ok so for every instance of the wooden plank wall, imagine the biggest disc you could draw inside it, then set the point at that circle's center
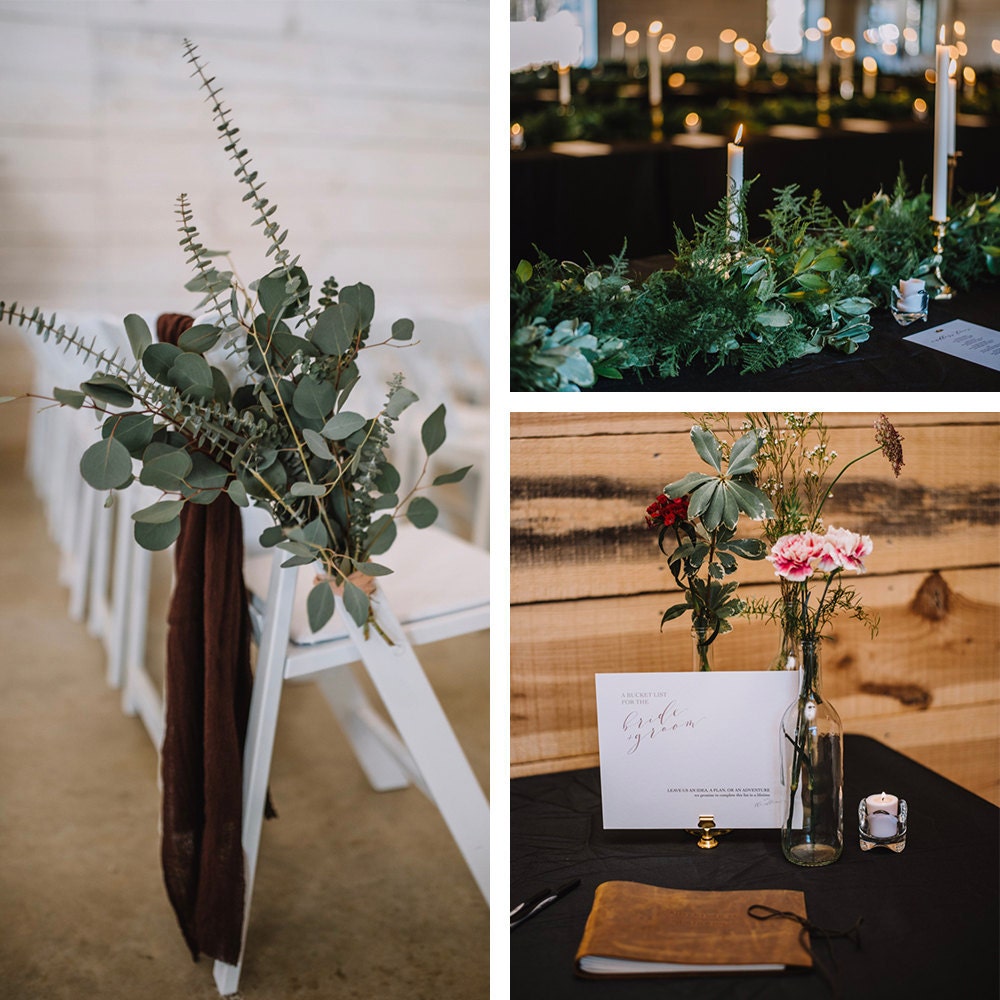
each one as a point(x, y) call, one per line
point(369, 122)
point(588, 584)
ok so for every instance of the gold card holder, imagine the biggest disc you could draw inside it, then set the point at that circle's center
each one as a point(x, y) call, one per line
point(707, 832)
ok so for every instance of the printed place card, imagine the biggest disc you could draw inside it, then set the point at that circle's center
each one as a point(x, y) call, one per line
point(676, 746)
point(968, 341)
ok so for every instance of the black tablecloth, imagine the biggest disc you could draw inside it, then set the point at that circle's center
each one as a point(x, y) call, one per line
point(930, 929)
point(885, 362)
point(575, 207)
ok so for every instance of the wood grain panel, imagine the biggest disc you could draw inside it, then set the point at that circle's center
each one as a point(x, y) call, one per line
point(577, 505)
point(934, 659)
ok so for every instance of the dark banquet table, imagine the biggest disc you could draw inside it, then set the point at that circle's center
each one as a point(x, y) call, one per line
point(885, 362)
point(575, 207)
point(930, 913)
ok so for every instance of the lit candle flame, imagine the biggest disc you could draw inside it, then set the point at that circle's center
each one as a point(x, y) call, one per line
point(952, 68)
point(739, 135)
point(941, 35)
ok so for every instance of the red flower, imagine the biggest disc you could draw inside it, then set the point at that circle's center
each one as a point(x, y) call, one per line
point(665, 511)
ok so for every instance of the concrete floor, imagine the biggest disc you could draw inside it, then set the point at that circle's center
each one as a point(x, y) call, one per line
point(358, 894)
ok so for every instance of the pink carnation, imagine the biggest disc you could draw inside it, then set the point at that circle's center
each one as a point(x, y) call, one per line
point(792, 555)
point(843, 548)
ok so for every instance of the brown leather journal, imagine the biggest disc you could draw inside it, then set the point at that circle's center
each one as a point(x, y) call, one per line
point(644, 930)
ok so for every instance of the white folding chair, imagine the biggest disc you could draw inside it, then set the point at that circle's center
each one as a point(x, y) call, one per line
point(439, 589)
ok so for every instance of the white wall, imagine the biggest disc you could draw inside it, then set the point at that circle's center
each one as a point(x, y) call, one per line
point(368, 120)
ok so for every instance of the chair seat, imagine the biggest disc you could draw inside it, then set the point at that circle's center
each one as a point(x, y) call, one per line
point(455, 605)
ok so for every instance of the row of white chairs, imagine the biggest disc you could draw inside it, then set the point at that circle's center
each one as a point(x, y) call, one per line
point(440, 589)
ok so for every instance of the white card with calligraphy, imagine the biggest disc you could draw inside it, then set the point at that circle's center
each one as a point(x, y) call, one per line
point(676, 746)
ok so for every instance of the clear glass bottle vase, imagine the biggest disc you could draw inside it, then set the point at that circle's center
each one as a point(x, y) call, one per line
point(812, 755)
point(702, 645)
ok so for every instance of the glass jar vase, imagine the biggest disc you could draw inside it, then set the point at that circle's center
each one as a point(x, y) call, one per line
point(702, 644)
point(812, 755)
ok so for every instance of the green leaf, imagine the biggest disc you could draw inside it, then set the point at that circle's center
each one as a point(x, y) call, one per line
point(156, 537)
point(432, 432)
point(451, 477)
point(382, 533)
point(707, 447)
point(202, 496)
point(828, 263)
point(715, 514)
point(158, 359)
point(343, 425)
point(524, 271)
point(238, 493)
point(271, 536)
point(199, 339)
point(67, 397)
point(388, 479)
point(362, 299)
point(206, 474)
point(775, 318)
point(314, 399)
point(108, 389)
point(402, 329)
point(701, 499)
point(335, 328)
point(106, 465)
point(813, 282)
point(356, 602)
point(742, 456)
point(422, 512)
point(320, 605)
point(139, 337)
point(373, 569)
point(674, 611)
point(730, 508)
point(749, 548)
point(159, 513)
point(682, 487)
point(751, 501)
point(134, 430)
point(399, 401)
point(308, 490)
point(854, 306)
point(192, 373)
point(316, 444)
point(165, 467)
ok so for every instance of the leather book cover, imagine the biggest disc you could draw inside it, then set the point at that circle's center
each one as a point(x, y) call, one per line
point(644, 930)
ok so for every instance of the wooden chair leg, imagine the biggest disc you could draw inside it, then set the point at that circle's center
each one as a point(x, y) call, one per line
point(379, 751)
point(417, 714)
point(259, 747)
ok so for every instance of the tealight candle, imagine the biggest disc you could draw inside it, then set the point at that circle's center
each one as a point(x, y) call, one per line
point(911, 295)
point(882, 825)
point(883, 803)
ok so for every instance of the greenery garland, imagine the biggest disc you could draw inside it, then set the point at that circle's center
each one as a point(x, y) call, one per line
point(810, 284)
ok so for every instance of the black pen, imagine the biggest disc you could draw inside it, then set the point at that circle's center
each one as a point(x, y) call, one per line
point(539, 901)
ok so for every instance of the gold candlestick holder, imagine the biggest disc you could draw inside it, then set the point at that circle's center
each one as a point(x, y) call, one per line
point(943, 291)
point(656, 119)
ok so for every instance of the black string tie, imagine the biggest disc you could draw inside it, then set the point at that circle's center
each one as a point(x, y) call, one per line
point(808, 927)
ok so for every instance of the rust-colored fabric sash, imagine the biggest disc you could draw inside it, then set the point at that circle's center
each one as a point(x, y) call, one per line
point(207, 694)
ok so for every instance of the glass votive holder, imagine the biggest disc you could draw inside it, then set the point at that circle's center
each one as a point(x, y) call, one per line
point(909, 309)
point(881, 829)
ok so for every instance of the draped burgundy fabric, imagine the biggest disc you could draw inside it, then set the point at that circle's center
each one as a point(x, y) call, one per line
point(207, 694)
